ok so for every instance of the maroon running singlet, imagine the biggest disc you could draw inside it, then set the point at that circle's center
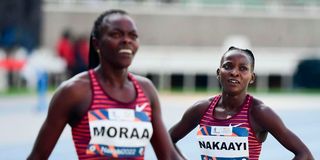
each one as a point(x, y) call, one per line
point(113, 129)
point(232, 138)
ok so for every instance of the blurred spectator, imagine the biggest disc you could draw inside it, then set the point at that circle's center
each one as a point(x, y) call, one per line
point(65, 50)
point(81, 50)
point(11, 62)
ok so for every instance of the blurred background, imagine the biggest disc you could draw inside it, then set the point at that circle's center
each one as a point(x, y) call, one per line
point(44, 42)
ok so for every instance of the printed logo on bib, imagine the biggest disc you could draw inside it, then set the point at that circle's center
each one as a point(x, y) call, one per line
point(118, 132)
point(140, 108)
point(223, 143)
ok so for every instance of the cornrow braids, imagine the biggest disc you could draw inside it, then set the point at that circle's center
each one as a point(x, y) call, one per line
point(93, 55)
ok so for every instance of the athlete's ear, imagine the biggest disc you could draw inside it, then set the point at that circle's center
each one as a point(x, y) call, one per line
point(253, 78)
point(218, 73)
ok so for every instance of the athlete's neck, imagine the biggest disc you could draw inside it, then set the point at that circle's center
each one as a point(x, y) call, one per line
point(112, 77)
point(232, 102)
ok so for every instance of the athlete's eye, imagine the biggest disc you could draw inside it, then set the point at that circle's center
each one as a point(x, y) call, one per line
point(133, 36)
point(243, 68)
point(115, 34)
point(227, 66)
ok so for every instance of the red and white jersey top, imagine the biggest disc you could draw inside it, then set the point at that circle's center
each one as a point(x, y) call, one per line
point(112, 129)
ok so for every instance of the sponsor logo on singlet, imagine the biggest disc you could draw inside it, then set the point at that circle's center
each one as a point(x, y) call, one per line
point(223, 143)
point(118, 132)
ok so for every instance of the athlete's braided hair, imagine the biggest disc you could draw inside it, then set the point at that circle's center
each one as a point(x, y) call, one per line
point(246, 51)
point(93, 55)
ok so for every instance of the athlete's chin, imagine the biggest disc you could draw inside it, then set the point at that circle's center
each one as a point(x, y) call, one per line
point(232, 92)
point(125, 65)
point(126, 62)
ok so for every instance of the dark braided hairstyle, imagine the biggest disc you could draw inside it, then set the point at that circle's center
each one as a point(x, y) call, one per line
point(93, 55)
point(246, 51)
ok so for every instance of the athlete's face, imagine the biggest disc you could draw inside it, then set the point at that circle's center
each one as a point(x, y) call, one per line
point(235, 72)
point(118, 42)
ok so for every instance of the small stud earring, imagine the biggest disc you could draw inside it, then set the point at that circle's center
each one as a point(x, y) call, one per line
point(98, 50)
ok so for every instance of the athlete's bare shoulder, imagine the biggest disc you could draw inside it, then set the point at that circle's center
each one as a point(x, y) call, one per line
point(147, 86)
point(145, 82)
point(190, 119)
point(72, 98)
point(74, 90)
point(258, 105)
point(76, 84)
point(200, 106)
point(261, 115)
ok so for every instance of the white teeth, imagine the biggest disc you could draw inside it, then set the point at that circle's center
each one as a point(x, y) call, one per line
point(127, 51)
point(233, 81)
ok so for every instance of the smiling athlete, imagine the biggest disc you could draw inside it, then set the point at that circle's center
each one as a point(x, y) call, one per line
point(113, 113)
point(233, 124)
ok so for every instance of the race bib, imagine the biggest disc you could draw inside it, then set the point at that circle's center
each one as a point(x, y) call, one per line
point(223, 143)
point(118, 132)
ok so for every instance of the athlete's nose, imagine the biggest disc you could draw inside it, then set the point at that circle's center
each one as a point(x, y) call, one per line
point(234, 72)
point(126, 39)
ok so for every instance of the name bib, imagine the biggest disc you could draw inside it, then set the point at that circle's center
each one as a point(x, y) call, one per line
point(118, 133)
point(223, 143)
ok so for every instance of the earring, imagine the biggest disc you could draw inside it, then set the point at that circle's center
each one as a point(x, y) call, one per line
point(251, 82)
point(98, 50)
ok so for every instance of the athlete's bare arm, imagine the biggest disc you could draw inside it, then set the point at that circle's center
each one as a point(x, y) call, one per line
point(267, 119)
point(188, 122)
point(160, 140)
point(190, 119)
point(68, 95)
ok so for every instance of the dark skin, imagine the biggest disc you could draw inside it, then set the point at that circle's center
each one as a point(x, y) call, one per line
point(117, 46)
point(235, 74)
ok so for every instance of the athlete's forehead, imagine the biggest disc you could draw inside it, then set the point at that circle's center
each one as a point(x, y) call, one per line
point(118, 20)
point(236, 55)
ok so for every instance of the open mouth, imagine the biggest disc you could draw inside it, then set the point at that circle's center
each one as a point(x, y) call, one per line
point(233, 81)
point(126, 51)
